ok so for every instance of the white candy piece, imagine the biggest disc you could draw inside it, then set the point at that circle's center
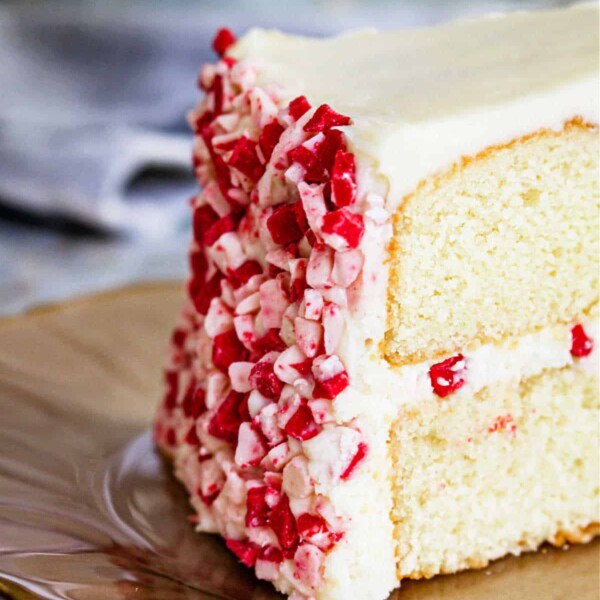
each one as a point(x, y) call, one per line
point(273, 303)
point(319, 268)
point(313, 304)
point(239, 374)
point(218, 318)
point(308, 336)
point(313, 202)
point(245, 330)
point(250, 448)
point(283, 365)
point(346, 267)
point(216, 386)
point(333, 327)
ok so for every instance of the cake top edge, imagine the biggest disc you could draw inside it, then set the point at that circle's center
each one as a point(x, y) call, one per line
point(242, 44)
point(428, 73)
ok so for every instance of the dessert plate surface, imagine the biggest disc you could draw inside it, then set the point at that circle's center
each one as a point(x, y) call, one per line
point(89, 511)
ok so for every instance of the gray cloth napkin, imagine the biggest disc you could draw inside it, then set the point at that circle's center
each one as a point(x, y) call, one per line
point(92, 118)
point(93, 104)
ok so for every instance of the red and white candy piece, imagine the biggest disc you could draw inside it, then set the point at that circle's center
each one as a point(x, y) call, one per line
point(313, 304)
point(448, 376)
point(309, 336)
point(250, 449)
point(319, 268)
point(346, 267)
point(264, 380)
point(331, 378)
point(308, 565)
point(218, 318)
point(223, 40)
point(313, 203)
point(581, 344)
point(273, 303)
point(267, 563)
point(333, 327)
point(342, 229)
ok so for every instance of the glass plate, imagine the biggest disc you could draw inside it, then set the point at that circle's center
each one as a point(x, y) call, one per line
point(89, 510)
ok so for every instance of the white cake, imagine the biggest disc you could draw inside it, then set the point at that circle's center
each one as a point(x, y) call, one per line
point(387, 365)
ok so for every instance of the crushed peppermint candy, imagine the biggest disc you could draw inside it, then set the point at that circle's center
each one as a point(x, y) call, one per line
point(255, 368)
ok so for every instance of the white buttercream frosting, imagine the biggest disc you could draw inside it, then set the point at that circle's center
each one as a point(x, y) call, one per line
point(421, 99)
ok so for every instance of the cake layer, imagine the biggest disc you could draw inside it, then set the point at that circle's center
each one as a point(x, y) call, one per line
point(497, 472)
point(503, 244)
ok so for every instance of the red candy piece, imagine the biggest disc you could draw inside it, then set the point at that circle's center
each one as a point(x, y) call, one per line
point(208, 499)
point(226, 146)
point(257, 509)
point(282, 225)
point(204, 218)
point(329, 147)
point(302, 425)
point(191, 437)
point(356, 460)
point(188, 398)
point(343, 179)
point(298, 107)
point(194, 403)
point(332, 387)
point(269, 136)
point(303, 156)
point(304, 367)
point(270, 342)
point(178, 337)
point(245, 159)
point(198, 265)
point(243, 273)
point(283, 524)
point(222, 40)
point(314, 530)
point(226, 422)
point(271, 554)
point(172, 389)
point(221, 169)
point(200, 125)
point(217, 91)
point(246, 551)
point(309, 525)
point(346, 224)
point(243, 409)
point(218, 228)
point(325, 118)
point(581, 344)
point(301, 219)
point(171, 438)
point(202, 293)
point(227, 349)
point(263, 379)
point(448, 376)
point(319, 161)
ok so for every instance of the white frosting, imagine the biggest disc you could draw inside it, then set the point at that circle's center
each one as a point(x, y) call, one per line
point(421, 99)
point(486, 365)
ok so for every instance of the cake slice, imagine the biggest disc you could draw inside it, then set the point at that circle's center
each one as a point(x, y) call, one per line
point(387, 364)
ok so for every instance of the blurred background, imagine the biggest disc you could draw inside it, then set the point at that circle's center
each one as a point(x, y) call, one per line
point(94, 147)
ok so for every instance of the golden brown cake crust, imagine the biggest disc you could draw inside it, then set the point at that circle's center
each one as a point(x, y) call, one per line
point(581, 535)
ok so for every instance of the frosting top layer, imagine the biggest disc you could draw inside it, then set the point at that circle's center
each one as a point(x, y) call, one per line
point(412, 93)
